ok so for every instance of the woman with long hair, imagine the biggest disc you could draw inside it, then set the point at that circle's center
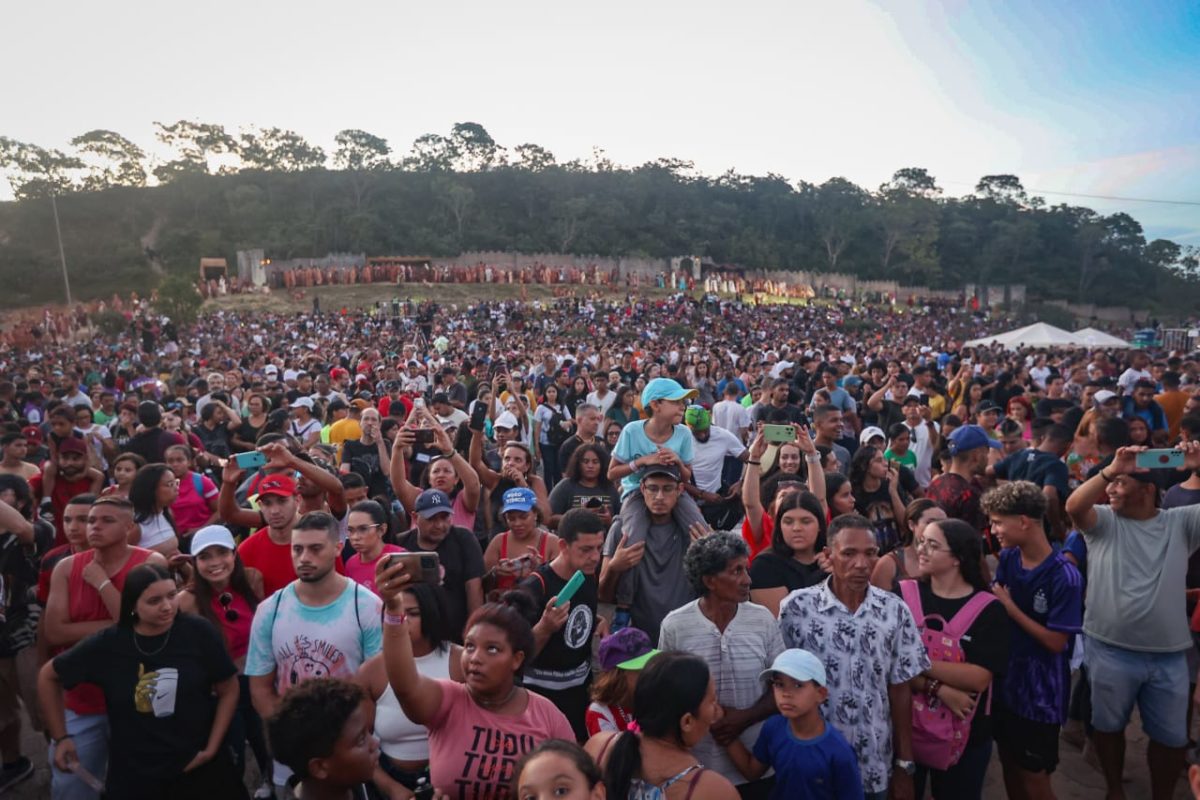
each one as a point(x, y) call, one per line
point(878, 495)
point(761, 498)
point(515, 553)
point(448, 472)
point(516, 471)
point(403, 743)
point(901, 563)
point(586, 485)
point(577, 394)
point(254, 422)
point(951, 578)
point(366, 527)
point(226, 592)
point(490, 706)
point(839, 495)
point(152, 493)
point(123, 470)
point(553, 424)
point(790, 563)
point(623, 411)
point(675, 703)
point(705, 386)
point(1020, 411)
point(158, 670)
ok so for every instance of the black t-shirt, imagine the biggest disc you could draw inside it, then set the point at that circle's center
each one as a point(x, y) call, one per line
point(568, 494)
point(770, 570)
point(889, 415)
point(877, 507)
point(19, 568)
point(570, 446)
point(768, 411)
point(363, 459)
point(565, 661)
point(160, 706)
point(461, 560)
point(249, 433)
point(985, 644)
point(1044, 469)
point(152, 445)
point(215, 440)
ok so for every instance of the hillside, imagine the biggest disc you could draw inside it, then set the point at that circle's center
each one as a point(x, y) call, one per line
point(442, 203)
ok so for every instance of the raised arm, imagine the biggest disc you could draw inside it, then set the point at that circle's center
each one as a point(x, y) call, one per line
point(227, 507)
point(487, 476)
point(812, 465)
point(752, 485)
point(398, 469)
point(420, 697)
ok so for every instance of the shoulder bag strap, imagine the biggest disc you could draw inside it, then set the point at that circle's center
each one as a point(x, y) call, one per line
point(912, 598)
point(966, 616)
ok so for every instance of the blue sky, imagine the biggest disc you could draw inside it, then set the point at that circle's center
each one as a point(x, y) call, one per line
point(1085, 97)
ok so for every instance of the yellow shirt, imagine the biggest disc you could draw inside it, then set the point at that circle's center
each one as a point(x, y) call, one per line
point(343, 430)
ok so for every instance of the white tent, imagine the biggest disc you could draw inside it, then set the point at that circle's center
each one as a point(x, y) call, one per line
point(1038, 334)
point(1094, 338)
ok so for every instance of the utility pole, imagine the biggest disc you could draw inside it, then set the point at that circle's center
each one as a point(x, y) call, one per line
point(62, 254)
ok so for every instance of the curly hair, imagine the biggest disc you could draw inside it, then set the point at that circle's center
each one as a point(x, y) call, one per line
point(310, 720)
point(1015, 499)
point(711, 555)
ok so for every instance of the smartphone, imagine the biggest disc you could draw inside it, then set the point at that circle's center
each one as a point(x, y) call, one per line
point(1165, 458)
point(251, 460)
point(423, 567)
point(423, 435)
point(594, 503)
point(418, 402)
point(778, 434)
point(570, 589)
point(478, 414)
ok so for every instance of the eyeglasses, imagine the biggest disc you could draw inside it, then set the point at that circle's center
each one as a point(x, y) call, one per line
point(356, 530)
point(930, 546)
point(226, 600)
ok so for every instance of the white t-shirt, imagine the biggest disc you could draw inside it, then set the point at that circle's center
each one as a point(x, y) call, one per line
point(708, 458)
point(1131, 376)
point(731, 416)
point(922, 448)
point(604, 404)
point(155, 531)
point(303, 431)
point(452, 420)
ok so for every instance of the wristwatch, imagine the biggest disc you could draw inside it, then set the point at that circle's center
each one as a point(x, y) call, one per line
point(909, 767)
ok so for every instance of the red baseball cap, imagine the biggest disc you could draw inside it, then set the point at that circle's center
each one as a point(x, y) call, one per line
point(32, 433)
point(72, 444)
point(282, 485)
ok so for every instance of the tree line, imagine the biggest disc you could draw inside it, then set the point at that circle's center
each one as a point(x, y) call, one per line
point(129, 218)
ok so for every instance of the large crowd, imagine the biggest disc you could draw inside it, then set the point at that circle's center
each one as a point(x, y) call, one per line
point(591, 547)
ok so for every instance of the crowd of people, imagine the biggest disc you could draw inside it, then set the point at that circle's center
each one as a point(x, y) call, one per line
point(593, 547)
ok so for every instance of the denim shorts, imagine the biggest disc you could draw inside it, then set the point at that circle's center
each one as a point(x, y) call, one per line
point(1156, 682)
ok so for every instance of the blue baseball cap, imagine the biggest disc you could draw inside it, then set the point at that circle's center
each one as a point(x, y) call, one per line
point(432, 502)
point(969, 437)
point(799, 665)
point(665, 389)
point(519, 499)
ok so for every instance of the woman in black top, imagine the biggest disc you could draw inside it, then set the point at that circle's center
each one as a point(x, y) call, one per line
point(791, 561)
point(159, 671)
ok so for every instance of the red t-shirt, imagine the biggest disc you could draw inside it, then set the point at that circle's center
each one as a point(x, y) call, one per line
point(64, 490)
point(768, 530)
point(274, 561)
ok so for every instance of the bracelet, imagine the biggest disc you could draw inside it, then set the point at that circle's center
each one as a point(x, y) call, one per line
point(448, 454)
point(61, 739)
point(394, 619)
point(750, 463)
point(814, 458)
point(100, 588)
point(1106, 478)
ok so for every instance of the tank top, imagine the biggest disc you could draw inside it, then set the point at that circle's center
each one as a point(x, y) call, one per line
point(399, 737)
point(506, 582)
point(237, 632)
point(84, 605)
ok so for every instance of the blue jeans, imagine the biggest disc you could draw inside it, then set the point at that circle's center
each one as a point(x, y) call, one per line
point(89, 732)
point(1156, 682)
point(963, 781)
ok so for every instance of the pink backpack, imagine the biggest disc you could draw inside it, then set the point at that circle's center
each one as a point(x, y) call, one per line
point(938, 736)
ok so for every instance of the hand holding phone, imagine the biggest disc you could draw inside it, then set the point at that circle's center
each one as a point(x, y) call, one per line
point(570, 589)
point(1161, 458)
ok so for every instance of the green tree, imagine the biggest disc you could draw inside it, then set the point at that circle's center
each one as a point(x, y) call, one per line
point(358, 150)
point(194, 144)
point(431, 152)
point(533, 157)
point(115, 161)
point(273, 149)
point(37, 172)
point(179, 299)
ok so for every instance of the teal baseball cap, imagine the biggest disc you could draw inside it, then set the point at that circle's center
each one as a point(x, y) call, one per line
point(665, 389)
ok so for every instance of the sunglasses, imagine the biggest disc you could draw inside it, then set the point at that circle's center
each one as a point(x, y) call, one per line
point(226, 600)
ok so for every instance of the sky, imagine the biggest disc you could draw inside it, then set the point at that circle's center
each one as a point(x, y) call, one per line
point(1080, 97)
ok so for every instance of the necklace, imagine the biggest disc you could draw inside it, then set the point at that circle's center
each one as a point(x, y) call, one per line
point(138, 647)
point(494, 703)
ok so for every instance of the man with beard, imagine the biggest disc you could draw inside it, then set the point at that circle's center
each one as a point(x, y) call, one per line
point(67, 474)
point(322, 625)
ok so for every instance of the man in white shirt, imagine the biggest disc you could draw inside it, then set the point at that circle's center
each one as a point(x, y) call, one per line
point(924, 437)
point(448, 416)
point(1137, 371)
point(718, 501)
point(730, 415)
point(602, 398)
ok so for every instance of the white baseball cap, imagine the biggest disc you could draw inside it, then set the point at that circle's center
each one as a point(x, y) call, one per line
point(212, 536)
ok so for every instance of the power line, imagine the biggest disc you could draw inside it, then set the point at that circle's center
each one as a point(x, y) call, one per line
point(1102, 196)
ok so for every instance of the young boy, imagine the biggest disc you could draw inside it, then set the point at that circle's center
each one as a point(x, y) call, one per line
point(323, 733)
point(1043, 594)
point(810, 758)
point(660, 439)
